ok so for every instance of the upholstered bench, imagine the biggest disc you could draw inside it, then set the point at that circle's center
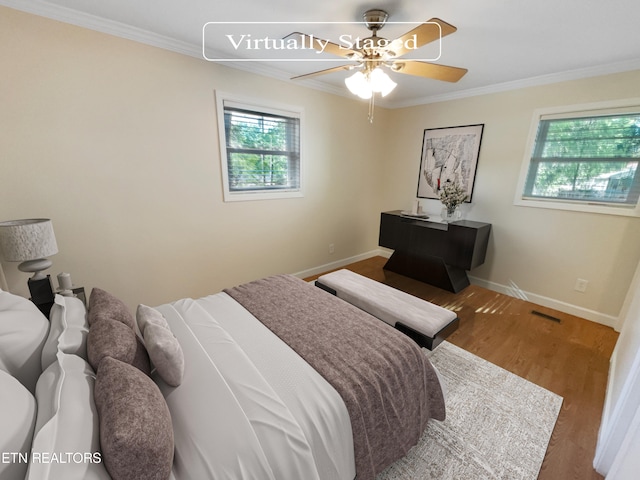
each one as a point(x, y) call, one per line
point(424, 322)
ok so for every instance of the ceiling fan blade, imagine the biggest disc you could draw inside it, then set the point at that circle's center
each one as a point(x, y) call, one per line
point(429, 70)
point(320, 45)
point(323, 72)
point(425, 33)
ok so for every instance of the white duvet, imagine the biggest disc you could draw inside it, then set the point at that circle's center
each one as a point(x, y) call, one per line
point(249, 407)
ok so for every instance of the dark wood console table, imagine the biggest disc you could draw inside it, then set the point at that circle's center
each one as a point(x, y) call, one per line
point(434, 253)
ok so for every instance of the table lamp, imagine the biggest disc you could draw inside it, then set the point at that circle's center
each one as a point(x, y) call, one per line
point(30, 241)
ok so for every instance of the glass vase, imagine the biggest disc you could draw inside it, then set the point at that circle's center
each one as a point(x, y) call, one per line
point(451, 215)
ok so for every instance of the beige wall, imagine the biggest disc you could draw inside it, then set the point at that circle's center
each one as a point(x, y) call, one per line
point(540, 251)
point(117, 143)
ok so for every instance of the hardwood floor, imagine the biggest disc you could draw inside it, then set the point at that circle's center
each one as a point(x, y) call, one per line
point(569, 357)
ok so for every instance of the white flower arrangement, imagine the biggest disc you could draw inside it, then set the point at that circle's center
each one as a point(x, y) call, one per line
point(452, 195)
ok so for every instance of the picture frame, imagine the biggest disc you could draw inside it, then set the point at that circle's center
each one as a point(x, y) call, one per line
point(449, 154)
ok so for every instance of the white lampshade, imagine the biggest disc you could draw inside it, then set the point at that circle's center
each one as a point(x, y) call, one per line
point(28, 241)
point(359, 85)
point(380, 82)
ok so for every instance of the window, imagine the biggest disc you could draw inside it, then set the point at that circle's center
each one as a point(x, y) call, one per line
point(584, 160)
point(260, 149)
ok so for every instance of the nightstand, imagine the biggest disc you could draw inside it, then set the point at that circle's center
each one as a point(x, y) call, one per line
point(41, 294)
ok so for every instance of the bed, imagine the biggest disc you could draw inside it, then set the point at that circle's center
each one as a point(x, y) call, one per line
point(274, 379)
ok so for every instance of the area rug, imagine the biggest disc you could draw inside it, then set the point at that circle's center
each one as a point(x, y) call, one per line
point(498, 425)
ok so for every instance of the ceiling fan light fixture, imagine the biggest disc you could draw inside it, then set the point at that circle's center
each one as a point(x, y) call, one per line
point(380, 82)
point(373, 52)
point(359, 85)
point(366, 84)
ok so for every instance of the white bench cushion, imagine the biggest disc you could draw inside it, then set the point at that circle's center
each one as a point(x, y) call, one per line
point(387, 303)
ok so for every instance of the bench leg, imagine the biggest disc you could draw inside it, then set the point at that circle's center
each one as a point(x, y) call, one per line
point(326, 289)
point(426, 341)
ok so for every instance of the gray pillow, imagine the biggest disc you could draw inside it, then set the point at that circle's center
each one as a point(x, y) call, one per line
point(104, 305)
point(141, 358)
point(136, 435)
point(110, 338)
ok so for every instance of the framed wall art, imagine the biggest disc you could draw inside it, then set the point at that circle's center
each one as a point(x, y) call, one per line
point(449, 155)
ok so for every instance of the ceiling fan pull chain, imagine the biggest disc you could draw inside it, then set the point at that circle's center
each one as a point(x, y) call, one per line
point(371, 106)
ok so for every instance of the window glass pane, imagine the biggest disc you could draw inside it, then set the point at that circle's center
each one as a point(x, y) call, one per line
point(253, 131)
point(254, 171)
point(589, 181)
point(590, 159)
point(263, 150)
point(591, 137)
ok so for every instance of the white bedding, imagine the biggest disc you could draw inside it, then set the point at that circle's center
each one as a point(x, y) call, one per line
point(249, 406)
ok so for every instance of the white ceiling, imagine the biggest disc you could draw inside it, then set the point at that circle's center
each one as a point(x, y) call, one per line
point(503, 43)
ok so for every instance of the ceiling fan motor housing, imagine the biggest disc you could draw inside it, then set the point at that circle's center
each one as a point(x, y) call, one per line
point(375, 19)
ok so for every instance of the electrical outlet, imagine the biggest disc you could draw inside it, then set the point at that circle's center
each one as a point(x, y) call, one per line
point(581, 285)
point(332, 248)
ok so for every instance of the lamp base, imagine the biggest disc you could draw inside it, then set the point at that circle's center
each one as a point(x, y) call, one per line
point(42, 294)
point(36, 267)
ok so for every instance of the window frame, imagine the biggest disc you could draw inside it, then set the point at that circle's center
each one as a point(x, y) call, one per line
point(259, 106)
point(631, 105)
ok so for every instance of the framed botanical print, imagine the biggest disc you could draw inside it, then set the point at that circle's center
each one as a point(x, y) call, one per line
point(449, 155)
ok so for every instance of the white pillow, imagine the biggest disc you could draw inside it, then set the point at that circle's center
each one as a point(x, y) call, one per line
point(17, 418)
point(69, 330)
point(165, 353)
point(23, 331)
point(67, 424)
point(148, 315)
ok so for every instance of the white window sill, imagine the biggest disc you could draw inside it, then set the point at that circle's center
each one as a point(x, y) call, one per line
point(270, 195)
point(626, 211)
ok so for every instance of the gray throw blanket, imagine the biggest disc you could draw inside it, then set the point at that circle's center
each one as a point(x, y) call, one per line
point(388, 385)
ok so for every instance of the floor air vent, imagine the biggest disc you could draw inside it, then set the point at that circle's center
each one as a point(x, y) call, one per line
point(544, 315)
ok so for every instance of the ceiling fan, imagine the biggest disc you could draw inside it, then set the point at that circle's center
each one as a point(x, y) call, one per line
point(370, 55)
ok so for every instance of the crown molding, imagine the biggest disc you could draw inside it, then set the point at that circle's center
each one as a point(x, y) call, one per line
point(111, 27)
point(118, 29)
